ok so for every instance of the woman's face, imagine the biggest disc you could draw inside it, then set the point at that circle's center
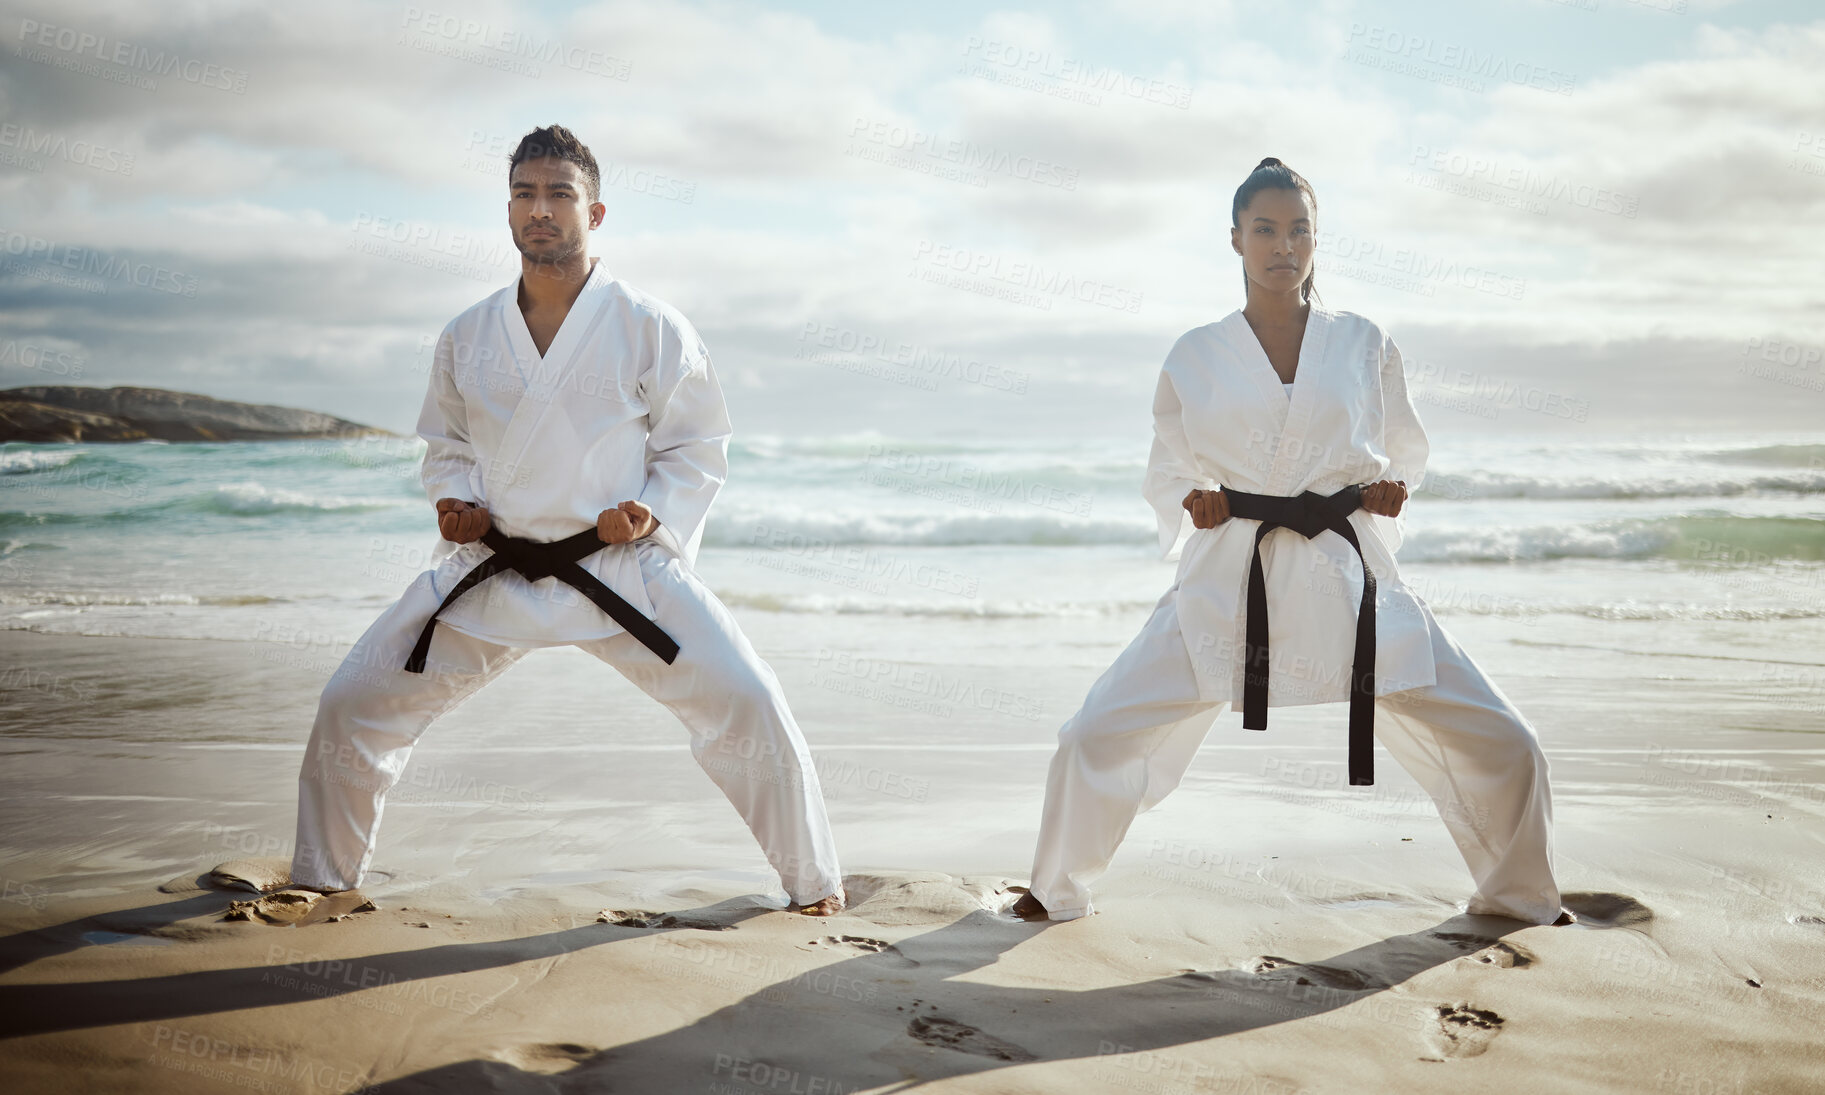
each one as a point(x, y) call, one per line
point(1275, 239)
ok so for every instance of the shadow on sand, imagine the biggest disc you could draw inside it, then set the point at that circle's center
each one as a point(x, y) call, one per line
point(902, 1014)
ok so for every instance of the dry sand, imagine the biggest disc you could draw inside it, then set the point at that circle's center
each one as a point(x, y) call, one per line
point(1254, 936)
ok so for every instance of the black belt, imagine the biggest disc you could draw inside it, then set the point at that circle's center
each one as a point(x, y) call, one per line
point(536, 559)
point(1309, 514)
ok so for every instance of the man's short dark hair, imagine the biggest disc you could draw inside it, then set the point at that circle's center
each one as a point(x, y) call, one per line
point(556, 141)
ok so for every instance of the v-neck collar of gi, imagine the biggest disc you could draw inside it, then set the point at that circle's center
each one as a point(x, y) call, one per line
point(581, 316)
point(1291, 411)
point(1265, 376)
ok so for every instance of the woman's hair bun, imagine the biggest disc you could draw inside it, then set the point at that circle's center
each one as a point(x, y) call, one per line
point(1271, 161)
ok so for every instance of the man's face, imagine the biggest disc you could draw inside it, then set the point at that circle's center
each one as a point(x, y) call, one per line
point(548, 209)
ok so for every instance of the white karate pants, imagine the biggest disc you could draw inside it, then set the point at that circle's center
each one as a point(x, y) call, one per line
point(1142, 723)
point(372, 713)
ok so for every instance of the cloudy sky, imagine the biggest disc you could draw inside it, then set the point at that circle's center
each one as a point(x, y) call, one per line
point(1591, 215)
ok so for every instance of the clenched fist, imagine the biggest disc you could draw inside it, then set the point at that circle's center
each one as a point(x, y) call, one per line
point(626, 523)
point(1384, 497)
point(1208, 508)
point(461, 522)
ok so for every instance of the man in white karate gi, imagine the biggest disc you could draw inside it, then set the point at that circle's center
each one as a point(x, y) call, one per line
point(576, 432)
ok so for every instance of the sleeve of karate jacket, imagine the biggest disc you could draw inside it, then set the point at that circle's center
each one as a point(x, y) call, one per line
point(1172, 470)
point(687, 445)
point(444, 424)
point(1403, 438)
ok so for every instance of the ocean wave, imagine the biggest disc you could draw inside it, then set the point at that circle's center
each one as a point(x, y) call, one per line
point(26, 461)
point(984, 474)
point(244, 499)
point(29, 597)
point(860, 443)
point(761, 529)
point(250, 499)
point(10, 519)
point(1508, 608)
point(1501, 607)
point(844, 605)
point(1482, 486)
point(1695, 537)
point(1722, 539)
point(1811, 456)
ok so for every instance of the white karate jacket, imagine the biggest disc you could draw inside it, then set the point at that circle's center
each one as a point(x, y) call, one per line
point(1221, 417)
point(624, 404)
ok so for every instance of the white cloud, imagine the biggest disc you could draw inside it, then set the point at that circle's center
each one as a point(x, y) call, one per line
point(265, 195)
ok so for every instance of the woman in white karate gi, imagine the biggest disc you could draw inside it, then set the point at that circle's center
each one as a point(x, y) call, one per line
point(1286, 398)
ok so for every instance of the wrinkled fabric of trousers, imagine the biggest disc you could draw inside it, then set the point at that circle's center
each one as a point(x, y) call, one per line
point(1141, 725)
point(372, 713)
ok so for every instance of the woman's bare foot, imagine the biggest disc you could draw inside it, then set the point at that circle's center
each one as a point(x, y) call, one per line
point(1028, 908)
point(306, 886)
point(829, 906)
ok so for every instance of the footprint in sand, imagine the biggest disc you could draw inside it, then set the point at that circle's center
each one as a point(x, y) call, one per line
point(1366, 901)
point(862, 945)
point(261, 874)
point(1461, 1031)
point(1489, 952)
point(255, 874)
point(546, 1058)
point(633, 918)
point(935, 1030)
point(1268, 967)
point(1608, 910)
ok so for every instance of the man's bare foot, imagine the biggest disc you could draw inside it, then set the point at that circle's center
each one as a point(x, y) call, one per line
point(1565, 917)
point(829, 906)
point(1028, 908)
